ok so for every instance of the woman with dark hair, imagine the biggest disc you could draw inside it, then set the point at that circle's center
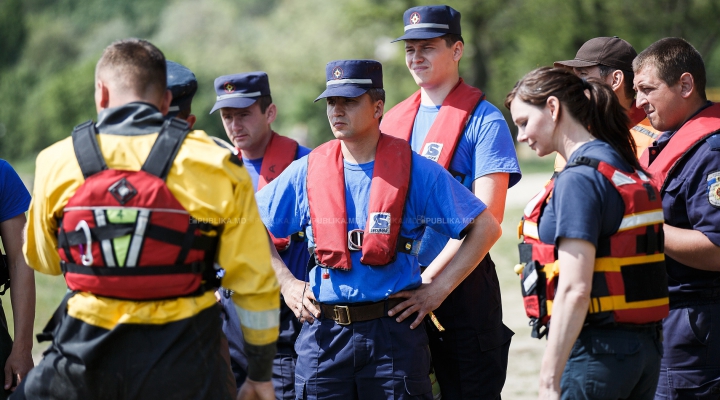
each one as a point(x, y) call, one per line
point(591, 257)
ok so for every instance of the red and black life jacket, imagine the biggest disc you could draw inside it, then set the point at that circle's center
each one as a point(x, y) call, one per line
point(629, 279)
point(380, 240)
point(281, 151)
point(703, 125)
point(445, 133)
point(124, 235)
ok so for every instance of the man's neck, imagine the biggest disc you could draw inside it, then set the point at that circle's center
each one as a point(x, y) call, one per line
point(255, 152)
point(361, 150)
point(435, 95)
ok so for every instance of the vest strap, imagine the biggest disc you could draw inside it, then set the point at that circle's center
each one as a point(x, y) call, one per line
point(87, 150)
point(165, 148)
point(193, 268)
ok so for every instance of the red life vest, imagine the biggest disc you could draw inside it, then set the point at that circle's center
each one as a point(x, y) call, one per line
point(124, 235)
point(281, 151)
point(444, 135)
point(692, 133)
point(629, 278)
point(326, 195)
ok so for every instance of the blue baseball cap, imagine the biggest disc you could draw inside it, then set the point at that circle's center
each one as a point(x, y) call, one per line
point(240, 90)
point(351, 78)
point(182, 84)
point(428, 22)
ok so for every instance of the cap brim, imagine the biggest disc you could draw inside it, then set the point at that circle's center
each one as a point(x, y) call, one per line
point(342, 91)
point(237, 102)
point(575, 63)
point(419, 35)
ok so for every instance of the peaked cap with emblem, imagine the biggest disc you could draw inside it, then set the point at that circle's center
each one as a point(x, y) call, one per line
point(351, 78)
point(182, 84)
point(240, 90)
point(428, 22)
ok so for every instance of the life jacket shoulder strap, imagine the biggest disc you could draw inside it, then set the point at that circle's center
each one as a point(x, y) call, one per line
point(280, 153)
point(166, 148)
point(87, 150)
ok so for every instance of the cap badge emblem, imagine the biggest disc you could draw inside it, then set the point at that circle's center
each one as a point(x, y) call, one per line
point(415, 18)
point(337, 72)
point(229, 87)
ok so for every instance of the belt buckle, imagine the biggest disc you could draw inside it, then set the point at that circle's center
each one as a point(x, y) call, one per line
point(355, 239)
point(338, 318)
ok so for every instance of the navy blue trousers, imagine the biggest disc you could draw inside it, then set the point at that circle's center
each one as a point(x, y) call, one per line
point(284, 362)
point(470, 357)
point(615, 363)
point(690, 367)
point(370, 360)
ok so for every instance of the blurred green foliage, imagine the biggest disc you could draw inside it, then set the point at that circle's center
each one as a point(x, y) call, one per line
point(48, 49)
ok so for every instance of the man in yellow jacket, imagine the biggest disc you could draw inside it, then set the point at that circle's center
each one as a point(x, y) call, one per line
point(142, 321)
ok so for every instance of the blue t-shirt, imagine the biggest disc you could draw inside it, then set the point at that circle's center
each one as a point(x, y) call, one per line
point(296, 256)
point(14, 197)
point(584, 204)
point(485, 147)
point(435, 199)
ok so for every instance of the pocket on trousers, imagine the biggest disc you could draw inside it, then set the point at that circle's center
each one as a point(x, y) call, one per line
point(693, 383)
point(300, 392)
point(418, 385)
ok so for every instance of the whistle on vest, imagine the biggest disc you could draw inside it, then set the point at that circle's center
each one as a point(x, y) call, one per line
point(435, 322)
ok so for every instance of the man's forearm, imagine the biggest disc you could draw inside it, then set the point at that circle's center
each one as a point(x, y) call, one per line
point(691, 248)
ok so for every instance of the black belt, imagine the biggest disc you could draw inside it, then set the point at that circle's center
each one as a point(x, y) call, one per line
point(347, 314)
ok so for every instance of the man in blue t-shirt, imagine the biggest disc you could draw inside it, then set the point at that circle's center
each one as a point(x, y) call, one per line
point(369, 199)
point(15, 357)
point(450, 122)
point(247, 110)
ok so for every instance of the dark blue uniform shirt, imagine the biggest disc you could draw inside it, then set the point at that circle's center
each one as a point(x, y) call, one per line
point(691, 200)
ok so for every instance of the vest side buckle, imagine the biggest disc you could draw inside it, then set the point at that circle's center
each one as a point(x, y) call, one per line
point(355, 239)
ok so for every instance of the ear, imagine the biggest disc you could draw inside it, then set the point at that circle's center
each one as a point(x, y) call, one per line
point(102, 95)
point(458, 49)
point(191, 119)
point(271, 113)
point(687, 85)
point(165, 102)
point(379, 109)
point(618, 78)
point(553, 106)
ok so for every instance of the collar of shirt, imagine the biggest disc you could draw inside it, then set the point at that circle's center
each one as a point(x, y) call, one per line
point(130, 119)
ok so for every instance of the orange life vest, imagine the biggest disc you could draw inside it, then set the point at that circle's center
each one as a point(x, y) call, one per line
point(629, 278)
point(703, 125)
point(445, 133)
point(281, 151)
point(326, 197)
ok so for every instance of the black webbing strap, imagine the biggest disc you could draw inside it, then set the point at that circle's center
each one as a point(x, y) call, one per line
point(193, 268)
point(582, 160)
point(186, 245)
point(48, 332)
point(166, 235)
point(87, 150)
point(98, 233)
point(166, 147)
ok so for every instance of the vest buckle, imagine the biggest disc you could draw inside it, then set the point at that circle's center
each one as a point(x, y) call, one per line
point(355, 239)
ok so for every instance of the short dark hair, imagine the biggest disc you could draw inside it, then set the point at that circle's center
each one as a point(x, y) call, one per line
point(184, 113)
point(673, 57)
point(134, 65)
point(376, 94)
point(605, 71)
point(452, 38)
point(264, 102)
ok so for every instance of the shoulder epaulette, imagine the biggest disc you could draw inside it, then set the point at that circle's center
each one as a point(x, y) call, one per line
point(714, 141)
